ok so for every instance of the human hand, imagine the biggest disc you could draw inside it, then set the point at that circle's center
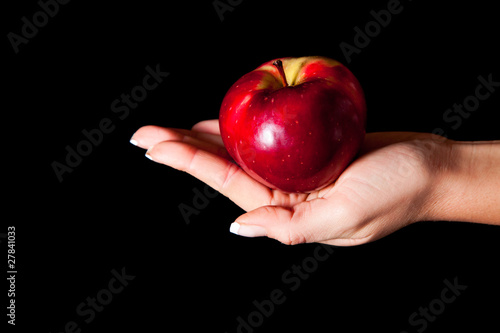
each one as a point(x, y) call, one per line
point(391, 184)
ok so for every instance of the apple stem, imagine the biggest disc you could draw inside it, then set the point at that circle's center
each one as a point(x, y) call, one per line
point(279, 66)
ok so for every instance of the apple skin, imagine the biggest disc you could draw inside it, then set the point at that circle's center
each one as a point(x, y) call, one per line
point(294, 134)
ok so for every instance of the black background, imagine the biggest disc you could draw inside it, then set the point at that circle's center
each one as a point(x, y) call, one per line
point(119, 210)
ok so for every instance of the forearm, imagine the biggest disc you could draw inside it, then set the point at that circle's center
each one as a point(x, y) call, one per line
point(467, 188)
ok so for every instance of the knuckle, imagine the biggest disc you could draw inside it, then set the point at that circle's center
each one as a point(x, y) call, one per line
point(227, 176)
point(288, 237)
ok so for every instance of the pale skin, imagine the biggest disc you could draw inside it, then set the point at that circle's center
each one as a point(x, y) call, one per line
point(397, 179)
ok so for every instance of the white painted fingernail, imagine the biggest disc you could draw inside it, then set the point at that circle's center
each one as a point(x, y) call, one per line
point(134, 142)
point(149, 156)
point(247, 230)
point(234, 227)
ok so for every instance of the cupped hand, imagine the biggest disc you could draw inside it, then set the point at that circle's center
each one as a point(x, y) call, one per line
point(388, 185)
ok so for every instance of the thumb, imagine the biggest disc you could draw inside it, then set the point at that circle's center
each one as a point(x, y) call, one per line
point(290, 226)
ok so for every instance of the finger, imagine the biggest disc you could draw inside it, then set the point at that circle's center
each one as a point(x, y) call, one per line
point(207, 126)
point(317, 220)
point(206, 146)
point(209, 137)
point(307, 222)
point(147, 136)
point(219, 173)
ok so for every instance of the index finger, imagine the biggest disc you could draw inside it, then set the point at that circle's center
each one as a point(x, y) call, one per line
point(147, 136)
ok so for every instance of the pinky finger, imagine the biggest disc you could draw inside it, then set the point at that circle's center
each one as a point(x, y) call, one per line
point(207, 126)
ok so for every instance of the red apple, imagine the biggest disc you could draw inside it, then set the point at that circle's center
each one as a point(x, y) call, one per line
point(294, 124)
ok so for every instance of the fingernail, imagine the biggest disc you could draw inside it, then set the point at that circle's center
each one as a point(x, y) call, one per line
point(149, 156)
point(234, 227)
point(134, 142)
point(247, 230)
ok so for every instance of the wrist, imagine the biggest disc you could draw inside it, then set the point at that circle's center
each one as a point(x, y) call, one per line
point(466, 183)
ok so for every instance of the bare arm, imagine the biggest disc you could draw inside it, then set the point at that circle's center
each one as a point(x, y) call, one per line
point(468, 188)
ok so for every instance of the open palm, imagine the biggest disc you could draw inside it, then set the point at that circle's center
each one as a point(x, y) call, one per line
point(383, 190)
